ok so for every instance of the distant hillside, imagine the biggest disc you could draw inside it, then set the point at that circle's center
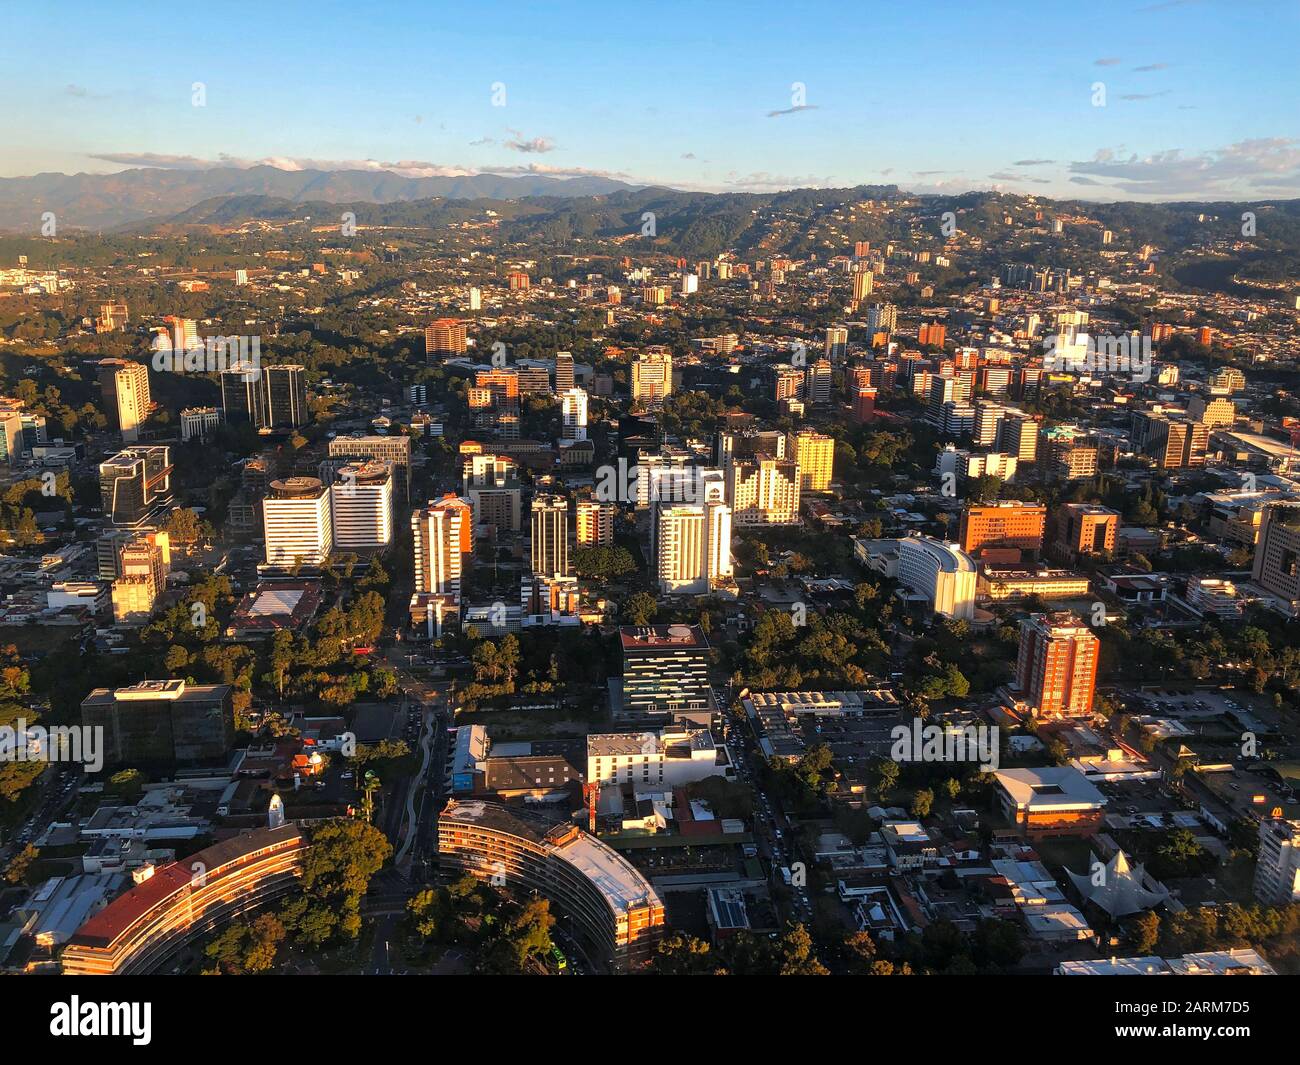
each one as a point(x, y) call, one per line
point(805, 222)
point(106, 201)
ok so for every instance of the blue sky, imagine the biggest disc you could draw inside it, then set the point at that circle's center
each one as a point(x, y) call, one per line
point(1200, 97)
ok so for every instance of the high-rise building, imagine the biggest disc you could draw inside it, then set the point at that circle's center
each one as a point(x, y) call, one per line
point(286, 396)
point(1018, 436)
point(502, 382)
point(655, 761)
point(1277, 870)
point(595, 523)
point(1276, 568)
point(1056, 667)
point(1084, 529)
point(445, 338)
point(534, 378)
point(789, 383)
point(243, 398)
point(815, 455)
point(135, 484)
point(1006, 524)
point(817, 385)
point(273, 398)
point(296, 522)
point(1068, 454)
point(988, 421)
point(955, 390)
point(133, 600)
point(394, 449)
point(652, 377)
point(763, 491)
point(12, 439)
point(837, 342)
point(361, 506)
point(574, 413)
point(1214, 412)
point(1226, 379)
point(162, 722)
point(443, 535)
point(125, 386)
point(112, 317)
point(666, 671)
point(182, 333)
point(141, 564)
point(863, 283)
point(692, 546)
point(563, 372)
point(1176, 443)
point(491, 484)
point(550, 536)
point(609, 906)
point(932, 333)
point(864, 404)
point(882, 318)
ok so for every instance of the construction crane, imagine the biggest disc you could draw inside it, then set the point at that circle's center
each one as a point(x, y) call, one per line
point(590, 794)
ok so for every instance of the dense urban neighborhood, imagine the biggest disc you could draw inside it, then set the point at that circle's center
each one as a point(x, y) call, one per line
point(834, 581)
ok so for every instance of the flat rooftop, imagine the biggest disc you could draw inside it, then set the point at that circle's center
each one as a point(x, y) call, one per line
point(662, 637)
point(156, 691)
point(1053, 787)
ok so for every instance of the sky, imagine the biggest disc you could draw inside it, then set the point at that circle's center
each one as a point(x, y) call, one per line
point(1101, 100)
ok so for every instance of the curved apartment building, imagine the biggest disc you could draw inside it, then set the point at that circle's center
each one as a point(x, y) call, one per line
point(941, 572)
point(184, 900)
point(599, 895)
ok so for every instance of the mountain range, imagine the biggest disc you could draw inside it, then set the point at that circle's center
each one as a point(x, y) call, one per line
point(108, 201)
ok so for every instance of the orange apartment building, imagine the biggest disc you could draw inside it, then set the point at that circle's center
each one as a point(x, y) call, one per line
point(1006, 525)
point(1056, 667)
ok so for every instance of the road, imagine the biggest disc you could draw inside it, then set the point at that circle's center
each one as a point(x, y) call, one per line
point(429, 727)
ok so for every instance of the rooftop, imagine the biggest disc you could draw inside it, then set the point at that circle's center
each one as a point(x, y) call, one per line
point(622, 886)
point(1048, 788)
point(652, 637)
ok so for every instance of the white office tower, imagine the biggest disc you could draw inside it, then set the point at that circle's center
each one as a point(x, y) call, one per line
point(550, 545)
point(126, 394)
point(574, 409)
point(475, 299)
point(690, 284)
point(690, 532)
point(692, 547)
point(442, 534)
point(361, 502)
point(296, 522)
point(1277, 873)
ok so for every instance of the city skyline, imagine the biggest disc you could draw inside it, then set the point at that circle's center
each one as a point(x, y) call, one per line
point(704, 99)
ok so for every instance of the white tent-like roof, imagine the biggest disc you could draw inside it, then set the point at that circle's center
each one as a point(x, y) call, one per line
point(1118, 887)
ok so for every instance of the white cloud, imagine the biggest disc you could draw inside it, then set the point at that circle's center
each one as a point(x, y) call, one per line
point(1242, 169)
